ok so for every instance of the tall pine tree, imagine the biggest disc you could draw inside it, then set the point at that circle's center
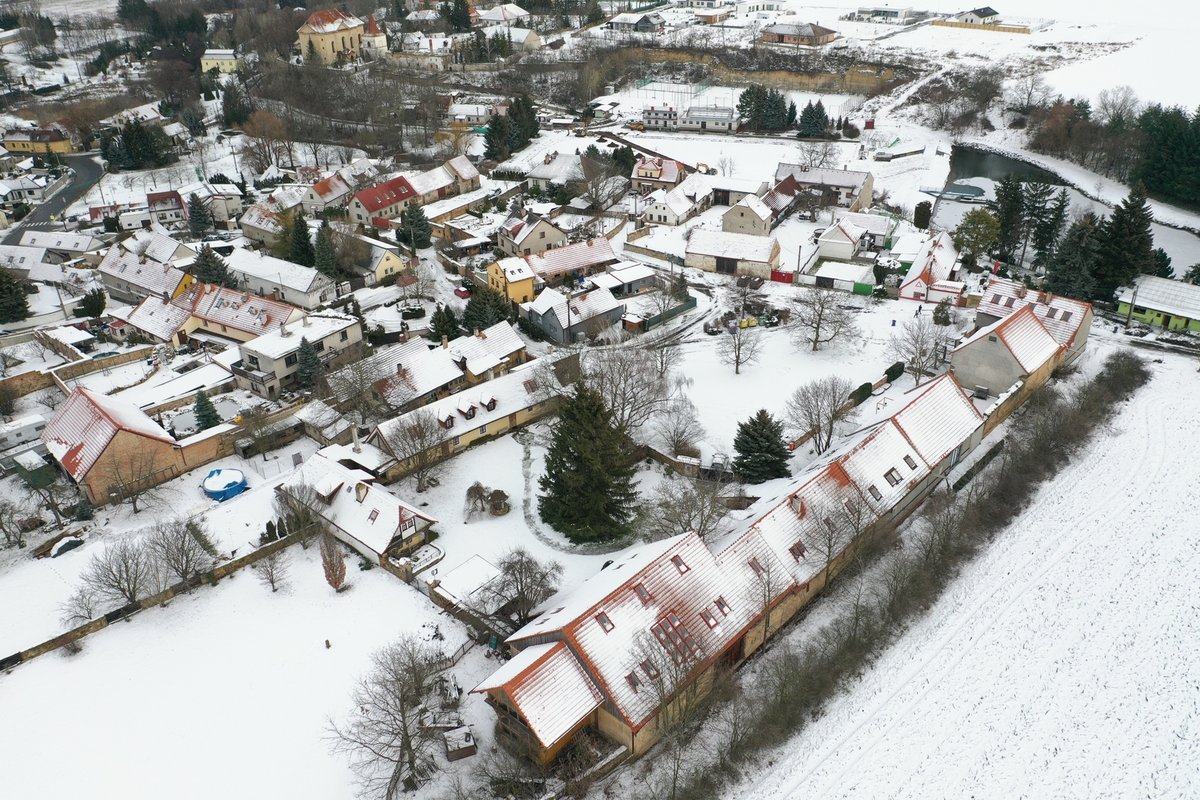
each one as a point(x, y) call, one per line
point(14, 303)
point(415, 230)
point(1126, 245)
point(443, 324)
point(210, 268)
point(1070, 269)
point(1009, 208)
point(308, 364)
point(485, 308)
point(200, 218)
point(587, 491)
point(300, 247)
point(496, 145)
point(1049, 229)
point(1035, 205)
point(205, 411)
point(761, 452)
point(325, 251)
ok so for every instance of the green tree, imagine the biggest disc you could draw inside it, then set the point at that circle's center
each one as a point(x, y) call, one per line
point(976, 233)
point(235, 104)
point(308, 364)
point(457, 14)
point(761, 451)
point(414, 230)
point(941, 312)
point(205, 411)
point(922, 214)
point(485, 308)
point(588, 491)
point(1162, 264)
point(595, 14)
point(1009, 210)
point(443, 324)
point(1069, 271)
point(1035, 206)
point(92, 304)
point(14, 303)
point(200, 218)
point(210, 268)
point(496, 146)
point(325, 251)
point(300, 246)
point(1049, 229)
point(1192, 275)
point(1126, 245)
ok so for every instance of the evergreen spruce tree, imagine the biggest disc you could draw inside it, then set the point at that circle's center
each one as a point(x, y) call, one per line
point(325, 252)
point(1192, 275)
point(235, 106)
point(1009, 208)
point(210, 268)
point(205, 411)
point(300, 246)
point(822, 118)
point(1126, 245)
point(1035, 205)
point(809, 124)
point(14, 303)
point(1162, 264)
point(1069, 271)
point(761, 452)
point(495, 139)
point(588, 491)
point(200, 218)
point(1049, 229)
point(308, 364)
point(92, 304)
point(443, 323)
point(791, 115)
point(485, 308)
point(922, 214)
point(415, 230)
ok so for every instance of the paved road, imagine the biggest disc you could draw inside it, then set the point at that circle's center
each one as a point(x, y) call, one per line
point(87, 172)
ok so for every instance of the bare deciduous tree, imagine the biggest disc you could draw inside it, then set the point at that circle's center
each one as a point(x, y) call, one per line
point(10, 529)
point(1119, 103)
point(820, 318)
point(739, 348)
point(138, 477)
point(273, 569)
point(352, 388)
point(178, 549)
point(333, 562)
point(1030, 92)
point(266, 141)
point(415, 440)
point(123, 572)
point(921, 345)
point(82, 606)
point(57, 496)
point(524, 583)
point(687, 504)
point(818, 407)
point(816, 155)
point(630, 381)
point(677, 427)
point(388, 745)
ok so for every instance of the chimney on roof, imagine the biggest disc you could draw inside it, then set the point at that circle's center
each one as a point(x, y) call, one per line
point(478, 333)
point(360, 491)
point(283, 331)
point(590, 241)
point(354, 435)
point(445, 342)
point(304, 320)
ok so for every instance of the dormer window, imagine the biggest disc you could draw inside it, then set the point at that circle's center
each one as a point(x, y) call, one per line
point(892, 477)
point(650, 670)
point(722, 606)
point(912, 463)
point(642, 592)
point(875, 492)
point(708, 618)
point(757, 567)
point(633, 680)
point(797, 550)
point(374, 515)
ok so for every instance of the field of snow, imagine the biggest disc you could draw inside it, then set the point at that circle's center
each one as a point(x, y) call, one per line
point(1060, 664)
point(630, 100)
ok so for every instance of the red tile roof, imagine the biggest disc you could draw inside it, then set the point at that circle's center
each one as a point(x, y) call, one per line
point(82, 428)
point(389, 193)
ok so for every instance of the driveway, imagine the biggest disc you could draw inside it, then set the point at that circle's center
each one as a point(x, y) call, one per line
point(87, 172)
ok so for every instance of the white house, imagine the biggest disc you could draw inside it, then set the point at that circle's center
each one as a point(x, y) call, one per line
point(528, 236)
point(507, 14)
point(267, 276)
point(841, 241)
point(984, 15)
point(269, 363)
point(732, 253)
point(931, 276)
point(565, 318)
point(749, 215)
point(717, 119)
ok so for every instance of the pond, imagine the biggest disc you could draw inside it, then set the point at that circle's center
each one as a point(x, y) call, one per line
point(967, 162)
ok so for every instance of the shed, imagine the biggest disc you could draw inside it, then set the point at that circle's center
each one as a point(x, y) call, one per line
point(845, 276)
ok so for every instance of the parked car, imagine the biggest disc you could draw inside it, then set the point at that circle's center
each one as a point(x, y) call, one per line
point(463, 291)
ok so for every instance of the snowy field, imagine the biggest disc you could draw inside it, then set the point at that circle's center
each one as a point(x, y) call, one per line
point(1061, 663)
point(627, 104)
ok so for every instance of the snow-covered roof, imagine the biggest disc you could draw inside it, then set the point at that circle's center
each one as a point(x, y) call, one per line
point(843, 230)
point(907, 245)
point(581, 255)
point(508, 12)
point(933, 263)
point(1061, 316)
point(560, 168)
point(462, 167)
point(332, 188)
point(658, 169)
point(82, 427)
point(813, 176)
point(754, 205)
point(20, 256)
point(60, 240)
point(845, 271)
point(286, 339)
point(513, 391)
point(943, 418)
point(156, 245)
point(155, 316)
point(584, 305)
point(877, 224)
point(617, 275)
point(490, 348)
point(467, 585)
point(515, 269)
point(68, 334)
point(1023, 334)
point(550, 687)
point(352, 502)
point(429, 181)
point(330, 20)
point(257, 264)
point(805, 30)
point(741, 246)
point(236, 309)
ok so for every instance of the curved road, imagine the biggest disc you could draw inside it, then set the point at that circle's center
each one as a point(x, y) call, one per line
point(87, 173)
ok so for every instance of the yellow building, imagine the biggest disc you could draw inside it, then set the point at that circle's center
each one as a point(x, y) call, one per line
point(223, 61)
point(331, 36)
point(513, 278)
point(36, 140)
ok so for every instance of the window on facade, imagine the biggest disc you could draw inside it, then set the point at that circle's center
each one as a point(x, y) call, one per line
point(875, 492)
point(892, 477)
point(483, 429)
point(679, 564)
point(344, 336)
point(542, 235)
point(722, 606)
point(252, 361)
point(642, 592)
point(319, 347)
point(290, 361)
point(605, 622)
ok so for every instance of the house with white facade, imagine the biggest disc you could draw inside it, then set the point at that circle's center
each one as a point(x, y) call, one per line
point(931, 277)
point(267, 276)
point(269, 363)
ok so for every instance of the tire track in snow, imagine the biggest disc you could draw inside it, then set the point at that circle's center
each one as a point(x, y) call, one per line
point(1078, 473)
